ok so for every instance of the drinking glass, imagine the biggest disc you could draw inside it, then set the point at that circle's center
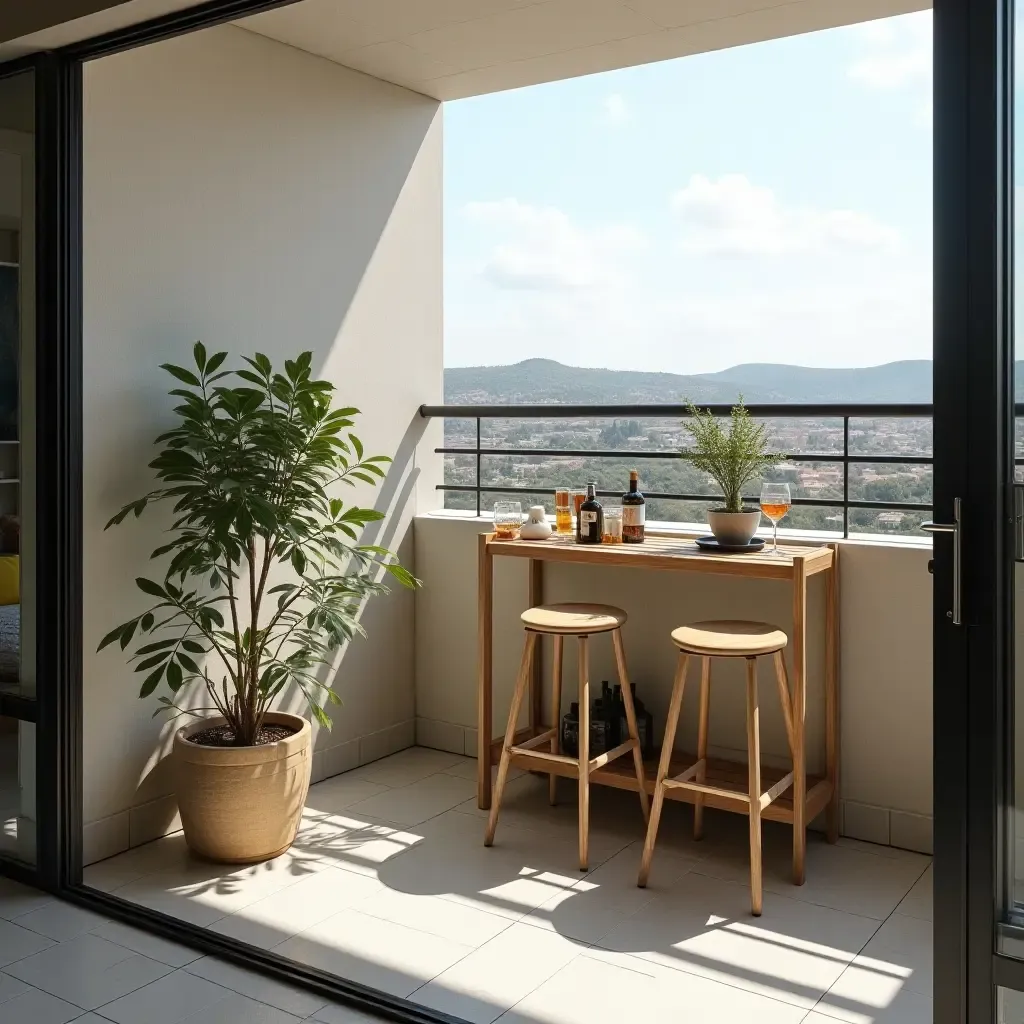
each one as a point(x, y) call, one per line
point(775, 503)
point(612, 524)
point(563, 510)
point(508, 517)
point(577, 496)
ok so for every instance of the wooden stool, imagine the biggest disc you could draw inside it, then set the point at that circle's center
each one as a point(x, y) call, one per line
point(723, 639)
point(559, 621)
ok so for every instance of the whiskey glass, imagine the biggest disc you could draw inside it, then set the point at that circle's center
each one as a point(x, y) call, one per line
point(508, 517)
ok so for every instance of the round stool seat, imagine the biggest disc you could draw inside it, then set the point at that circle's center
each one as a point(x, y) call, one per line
point(729, 638)
point(573, 619)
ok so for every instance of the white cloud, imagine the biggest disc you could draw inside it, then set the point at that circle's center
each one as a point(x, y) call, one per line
point(896, 53)
point(615, 109)
point(733, 216)
point(539, 248)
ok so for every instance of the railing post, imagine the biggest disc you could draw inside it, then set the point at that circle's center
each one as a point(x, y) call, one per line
point(846, 477)
point(478, 512)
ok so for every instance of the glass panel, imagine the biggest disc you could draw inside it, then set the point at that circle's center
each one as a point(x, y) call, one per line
point(17, 409)
point(17, 789)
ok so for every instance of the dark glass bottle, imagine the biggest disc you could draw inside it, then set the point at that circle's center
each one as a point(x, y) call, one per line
point(571, 730)
point(590, 521)
point(634, 510)
point(644, 725)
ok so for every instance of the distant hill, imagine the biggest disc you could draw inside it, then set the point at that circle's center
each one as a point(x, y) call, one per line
point(545, 380)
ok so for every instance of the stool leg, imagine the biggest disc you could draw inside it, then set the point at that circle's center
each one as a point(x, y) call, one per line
point(584, 754)
point(754, 775)
point(671, 721)
point(556, 713)
point(634, 732)
point(510, 735)
point(702, 743)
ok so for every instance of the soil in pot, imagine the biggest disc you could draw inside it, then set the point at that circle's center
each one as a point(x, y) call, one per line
point(224, 736)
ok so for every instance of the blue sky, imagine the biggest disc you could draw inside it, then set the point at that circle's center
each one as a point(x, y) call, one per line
point(767, 203)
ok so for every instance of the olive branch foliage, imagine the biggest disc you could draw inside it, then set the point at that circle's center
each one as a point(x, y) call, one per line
point(732, 459)
point(249, 468)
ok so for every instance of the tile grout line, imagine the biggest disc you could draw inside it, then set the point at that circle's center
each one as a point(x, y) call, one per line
point(892, 913)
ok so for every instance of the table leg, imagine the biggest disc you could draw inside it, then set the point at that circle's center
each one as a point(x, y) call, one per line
point(832, 695)
point(799, 644)
point(484, 685)
point(537, 679)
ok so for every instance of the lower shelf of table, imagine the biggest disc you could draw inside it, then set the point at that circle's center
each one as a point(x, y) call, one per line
point(729, 775)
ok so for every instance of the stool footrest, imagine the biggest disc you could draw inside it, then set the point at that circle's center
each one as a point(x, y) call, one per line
point(769, 796)
point(685, 781)
point(523, 756)
point(690, 772)
point(536, 741)
point(707, 790)
point(610, 755)
point(543, 761)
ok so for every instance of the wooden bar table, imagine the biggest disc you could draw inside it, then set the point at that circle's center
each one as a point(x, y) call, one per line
point(809, 796)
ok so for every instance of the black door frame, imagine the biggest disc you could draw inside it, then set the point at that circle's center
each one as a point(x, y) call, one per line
point(973, 460)
point(55, 709)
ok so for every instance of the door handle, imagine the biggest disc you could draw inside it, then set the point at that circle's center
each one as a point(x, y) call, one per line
point(955, 616)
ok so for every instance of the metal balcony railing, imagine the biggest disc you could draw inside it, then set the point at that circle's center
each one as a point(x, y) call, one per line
point(843, 413)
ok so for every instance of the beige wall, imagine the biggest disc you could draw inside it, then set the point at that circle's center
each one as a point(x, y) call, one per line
point(886, 659)
point(246, 193)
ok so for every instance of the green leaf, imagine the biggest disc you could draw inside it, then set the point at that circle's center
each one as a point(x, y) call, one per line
point(357, 444)
point(402, 574)
point(185, 376)
point(214, 361)
point(149, 587)
point(174, 676)
point(298, 561)
point(159, 645)
point(193, 646)
point(150, 662)
point(128, 633)
point(147, 622)
point(199, 353)
point(188, 663)
point(110, 637)
point(151, 681)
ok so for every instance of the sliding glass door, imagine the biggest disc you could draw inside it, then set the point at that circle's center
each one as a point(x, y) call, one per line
point(17, 459)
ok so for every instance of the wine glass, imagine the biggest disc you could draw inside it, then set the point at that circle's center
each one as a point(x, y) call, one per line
point(775, 502)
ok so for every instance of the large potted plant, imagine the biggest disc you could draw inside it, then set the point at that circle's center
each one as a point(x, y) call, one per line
point(731, 459)
point(265, 578)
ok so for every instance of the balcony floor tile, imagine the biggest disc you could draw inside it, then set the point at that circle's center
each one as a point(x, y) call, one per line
point(389, 884)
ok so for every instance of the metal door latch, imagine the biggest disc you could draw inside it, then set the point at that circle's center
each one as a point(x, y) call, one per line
point(955, 615)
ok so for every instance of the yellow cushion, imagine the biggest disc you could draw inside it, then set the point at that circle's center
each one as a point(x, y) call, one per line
point(10, 577)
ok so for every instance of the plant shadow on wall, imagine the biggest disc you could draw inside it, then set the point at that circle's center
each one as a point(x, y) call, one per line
point(250, 468)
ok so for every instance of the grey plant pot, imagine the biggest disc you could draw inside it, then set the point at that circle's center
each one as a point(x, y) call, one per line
point(736, 528)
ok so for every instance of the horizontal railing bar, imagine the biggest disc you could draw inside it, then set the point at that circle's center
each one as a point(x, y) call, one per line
point(789, 410)
point(898, 506)
point(590, 453)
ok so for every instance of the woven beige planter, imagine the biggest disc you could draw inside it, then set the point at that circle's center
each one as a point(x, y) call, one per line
point(241, 805)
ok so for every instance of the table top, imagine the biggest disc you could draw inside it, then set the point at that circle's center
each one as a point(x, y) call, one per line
point(673, 552)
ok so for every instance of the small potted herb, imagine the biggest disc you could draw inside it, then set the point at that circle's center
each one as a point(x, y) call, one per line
point(732, 460)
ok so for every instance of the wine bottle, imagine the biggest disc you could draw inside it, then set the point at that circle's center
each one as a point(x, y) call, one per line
point(590, 521)
point(634, 510)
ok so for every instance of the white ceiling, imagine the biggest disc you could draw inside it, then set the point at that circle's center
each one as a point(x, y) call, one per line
point(449, 49)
